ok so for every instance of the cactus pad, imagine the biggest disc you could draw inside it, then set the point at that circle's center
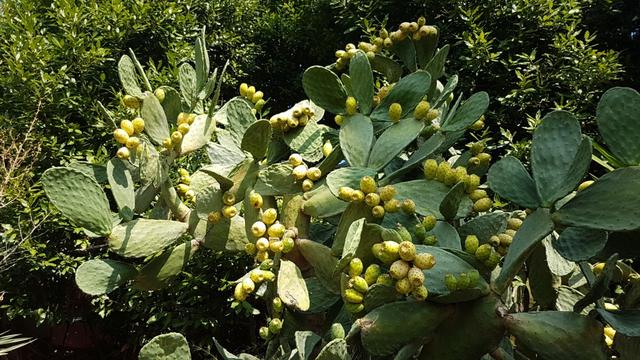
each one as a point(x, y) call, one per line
point(325, 89)
point(172, 104)
point(428, 195)
point(155, 120)
point(199, 134)
point(324, 204)
point(348, 176)
point(485, 226)
point(451, 202)
point(144, 237)
point(391, 69)
point(161, 268)
point(509, 179)
point(468, 113)
point(580, 244)
point(306, 140)
point(291, 286)
point(228, 234)
point(306, 341)
point(626, 322)
point(335, 350)
point(407, 92)
point(121, 186)
point(362, 81)
point(392, 141)
point(617, 118)
point(101, 276)
point(171, 346)
point(128, 76)
point(356, 138)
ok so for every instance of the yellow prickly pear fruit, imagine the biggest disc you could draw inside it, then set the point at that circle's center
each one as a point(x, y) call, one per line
point(510, 232)
point(357, 196)
point(451, 282)
point(460, 173)
point(340, 54)
point(478, 125)
point(359, 284)
point(354, 308)
point(307, 185)
point(133, 142)
point(368, 185)
point(262, 256)
point(413, 27)
point(327, 148)
point(121, 136)
point(299, 172)
point(405, 27)
point(257, 97)
point(351, 105)
point(353, 296)
point(450, 177)
point(167, 144)
point(255, 200)
point(597, 268)
point(387, 192)
point(372, 199)
point(258, 229)
point(276, 230)
point(474, 276)
point(424, 261)
point(482, 205)
point(502, 250)
point(377, 211)
point(131, 102)
point(399, 269)
point(250, 249)
point(287, 244)
point(123, 153)
point(260, 104)
point(269, 216)
point(408, 206)
point(190, 195)
point(229, 211)
point(471, 183)
point(494, 240)
point(183, 128)
point(395, 112)
point(392, 206)
point(183, 118)
point(473, 161)
point(243, 89)
point(471, 244)
point(276, 246)
point(372, 273)
point(403, 286)
point(420, 293)
point(391, 247)
point(251, 90)
point(277, 305)
point(295, 160)
point(337, 331)
point(159, 93)
point(262, 244)
point(138, 125)
point(432, 115)
point(422, 21)
point(463, 281)
point(256, 275)
point(441, 172)
point(339, 119)
point(266, 265)
point(385, 279)
point(214, 217)
point(248, 285)
point(387, 43)
point(344, 193)
point(355, 267)
point(505, 239)
point(239, 294)
point(514, 223)
point(176, 137)
point(484, 158)
point(430, 169)
point(585, 185)
point(314, 173)
point(182, 188)
point(483, 252)
point(183, 172)
point(477, 194)
point(429, 222)
point(264, 333)
point(228, 198)
point(415, 276)
point(421, 111)
point(407, 251)
point(127, 126)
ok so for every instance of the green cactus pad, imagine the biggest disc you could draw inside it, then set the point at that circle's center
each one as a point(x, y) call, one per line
point(155, 120)
point(188, 86)
point(101, 276)
point(97, 171)
point(307, 141)
point(468, 113)
point(306, 341)
point(321, 298)
point(553, 150)
point(540, 279)
point(128, 76)
point(451, 85)
point(256, 139)
point(447, 235)
point(322, 261)
point(407, 92)
point(199, 134)
point(389, 327)
point(558, 334)
point(228, 234)
point(172, 104)
point(144, 237)
point(428, 194)
point(485, 226)
point(121, 186)
point(609, 204)
point(426, 149)
point(379, 295)
point(325, 89)
point(171, 346)
point(335, 350)
point(346, 82)
point(331, 162)
point(202, 62)
point(448, 263)
point(78, 197)
point(535, 228)
point(352, 239)
point(236, 116)
point(323, 204)
point(626, 322)
point(451, 202)
point(354, 211)
point(356, 138)
point(617, 118)
point(435, 67)
point(348, 176)
point(291, 286)
point(226, 355)
point(389, 68)
point(392, 141)
point(244, 176)
point(208, 200)
point(155, 273)
point(224, 158)
point(425, 49)
point(371, 234)
point(406, 52)
point(362, 81)
point(578, 169)
point(217, 172)
point(509, 179)
point(580, 244)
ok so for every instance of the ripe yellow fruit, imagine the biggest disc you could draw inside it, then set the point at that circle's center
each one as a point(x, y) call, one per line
point(585, 185)
point(403, 286)
point(183, 128)
point(353, 296)
point(258, 229)
point(127, 126)
point(482, 205)
point(405, 27)
point(471, 183)
point(408, 206)
point(415, 276)
point(276, 246)
point(372, 199)
point(131, 102)
point(339, 120)
point(372, 273)
point(314, 174)
point(307, 185)
point(214, 217)
point(288, 244)
point(359, 284)
point(295, 160)
point(344, 193)
point(387, 192)
point(250, 249)
point(424, 261)
point(123, 153)
point(250, 92)
point(239, 294)
point(392, 206)
point(514, 223)
point(299, 172)
point(443, 169)
point(368, 185)
point(477, 195)
point(121, 136)
point(255, 200)
point(430, 169)
point(269, 216)
point(505, 239)
point(355, 267)
point(138, 125)
point(420, 293)
point(243, 89)
point(421, 110)
point(399, 269)
point(351, 105)
point(432, 114)
point(176, 137)
point(407, 251)
point(484, 158)
point(167, 143)
point(262, 244)
point(248, 285)
point(395, 112)
point(327, 148)
point(133, 142)
point(471, 244)
point(377, 211)
point(276, 230)
point(494, 240)
point(229, 211)
point(357, 196)
point(257, 97)
point(228, 198)
point(159, 93)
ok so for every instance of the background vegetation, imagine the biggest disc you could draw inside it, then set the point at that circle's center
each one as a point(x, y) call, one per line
point(58, 59)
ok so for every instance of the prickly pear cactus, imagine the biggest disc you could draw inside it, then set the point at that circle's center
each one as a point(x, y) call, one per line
point(378, 197)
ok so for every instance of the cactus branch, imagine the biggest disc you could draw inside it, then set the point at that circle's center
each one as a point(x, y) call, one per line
point(179, 209)
point(147, 84)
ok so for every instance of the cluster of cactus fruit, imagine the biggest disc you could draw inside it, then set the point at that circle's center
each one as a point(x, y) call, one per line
point(386, 226)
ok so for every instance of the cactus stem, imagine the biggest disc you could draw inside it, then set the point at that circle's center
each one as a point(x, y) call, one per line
point(179, 209)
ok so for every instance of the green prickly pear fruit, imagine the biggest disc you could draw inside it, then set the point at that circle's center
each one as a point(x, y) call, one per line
point(477, 148)
point(399, 269)
point(214, 217)
point(478, 125)
point(474, 277)
point(505, 239)
point(183, 128)
point(133, 142)
point(421, 233)
point(460, 173)
point(372, 273)
point(159, 93)
point(248, 285)
point(463, 281)
point(484, 158)
point(392, 206)
point(250, 249)
point(403, 286)
point(354, 308)
point(377, 211)
point(131, 102)
point(372, 199)
point(260, 104)
point(351, 105)
point(471, 244)
point(395, 112)
point(471, 183)
point(432, 115)
point(510, 232)
point(307, 185)
point(514, 223)
point(482, 205)
point(405, 235)
point(120, 136)
point(355, 267)
point(424, 261)
point(176, 137)
point(277, 305)
point(167, 144)
point(483, 252)
point(266, 264)
point(314, 173)
point(239, 294)
point(387, 192)
point(276, 230)
point(269, 216)
point(430, 240)
point(429, 222)
point(353, 296)
point(299, 172)
point(492, 261)
point(430, 169)
point(344, 193)
point(391, 235)
point(441, 172)
point(477, 195)
point(585, 185)
point(407, 251)
point(228, 198)
point(473, 161)
point(359, 284)
point(295, 160)
point(229, 211)
point(264, 333)
point(494, 240)
point(127, 126)
point(408, 206)
point(262, 244)
point(420, 293)
point(275, 326)
point(415, 276)
point(357, 196)
point(337, 331)
point(288, 244)
point(451, 282)
point(421, 111)
point(385, 279)
point(422, 20)
point(450, 177)
point(368, 185)
point(339, 119)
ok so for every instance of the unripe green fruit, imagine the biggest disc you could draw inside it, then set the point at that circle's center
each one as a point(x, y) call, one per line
point(478, 125)
point(123, 153)
point(403, 286)
point(451, 282)
point(138, 125)
point(266, 265)
point(407, 251)
point(514, 223)
point(502, 250)
point(477, 195)
point(269, 216)
point(384, 33)
point(167, 144)
point(441, 172)
point(353, 296)
point(268, 275)
point(430, 240)
point(176, 137)
point(474, 276)
point(471, 244)
point(262, 244)
point(432, 115)
point(471, 183)
point(372, 199)
point(415, 276)
point(368, 185)
point(421, 21)
point(250, 249)
point(473, 161)
point(395, 112)
point(359, 284)
point(399, 269)
point(327, 148)
point(183, 128)
point(238, 293)
point(510, 232)
point(408, 206)
point(421, 111)
point(492, 261)
point(377, 212)
point(339, 119)
point(288, 244)
point(460, 173)
point(494, 240)
point(387, 192)
point(276, 230)
point(228, 198)
point(450, 177)
point(477, 147)
point(299, 172)
point(351, 105)
point(214, 217)
point(357, 196)
point(337, 331)
point(421, 233)
point(385, 279)
point(133, 142)
point(307, 185)
point(127, 126)
point(229, 211)
point(420, 293)
point(483, 252)
point(484, 158)
point(463, 281)
point(264, 333)
point(354, 308)
point(429, 222)
point(392, 206)
point(505, 239)
point(405, 235)
point(355, 267)
point(430, 168)
point(585, 185)
point(314, 173)
point(260, 104)
point(120, 136)
point(372, 273)
point(248, 285)
point(131, 102)
point(424, 261)
point(482, 205)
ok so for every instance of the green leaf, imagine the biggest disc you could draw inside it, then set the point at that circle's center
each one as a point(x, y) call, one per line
point(389, 68)
point(540, 279)
point(407, 92)
point(101, 276)
point(128, 77)
point(306, 341)
point(291, 286)
point(625, 321)
point(485, 226)
point(155, 120)
point(611, 203)
point(362, 81)
point(617, 118)
point(447, 235)
point(321, 298)
point(348, 176)
point(435, 67)
point(79, 198)
point(172, 104)
point(356, 138)
point(580, 244)
point(121, 186)
point(244, 176)
point(144, 237)
point(509, 179)
point(188, 84)
point(535, 228)
point(393, 140)
point(171, 346)
point(378, 295)
point(428, 195)
point(322, 261)
point(223, 157)
point(228, 234)
point(406, 52)
point(155, 273)
point(306, 140)
point(451, 202)
point(325, 89)
point(335, 350)
point(468, 113)
point(256, 139)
